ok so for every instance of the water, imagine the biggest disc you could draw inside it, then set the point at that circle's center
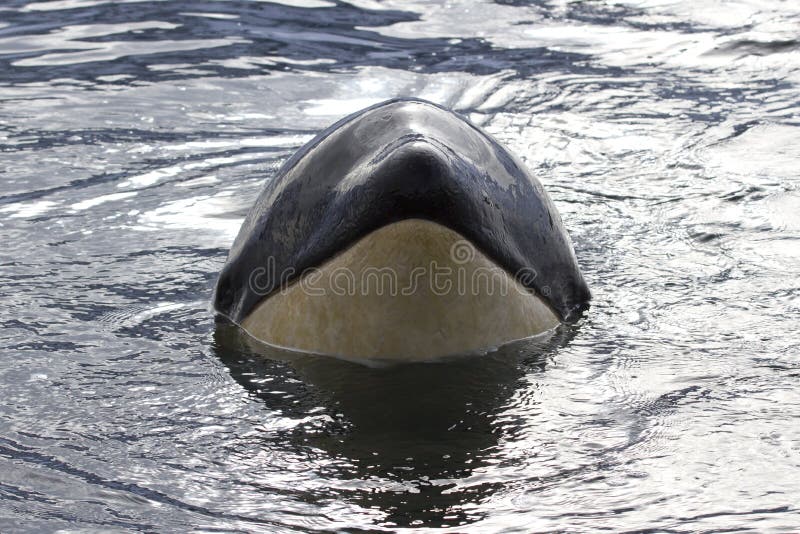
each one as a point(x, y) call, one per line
point(135, 136)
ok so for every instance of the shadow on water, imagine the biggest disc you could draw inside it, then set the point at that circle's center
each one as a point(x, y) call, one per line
point(419, 426)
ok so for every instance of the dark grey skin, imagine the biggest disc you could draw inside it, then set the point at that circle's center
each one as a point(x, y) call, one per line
point(401, 159)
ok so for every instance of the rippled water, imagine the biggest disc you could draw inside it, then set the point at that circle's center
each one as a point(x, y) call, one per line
point(134, 137)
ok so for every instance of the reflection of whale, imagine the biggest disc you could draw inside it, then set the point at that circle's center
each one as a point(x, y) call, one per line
point(401, 232)
point(397, 437)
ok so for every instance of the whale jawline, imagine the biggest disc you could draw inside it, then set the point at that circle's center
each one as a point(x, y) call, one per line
point(409, 291)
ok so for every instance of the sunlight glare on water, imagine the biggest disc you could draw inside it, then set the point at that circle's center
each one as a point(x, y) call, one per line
point(135, 136)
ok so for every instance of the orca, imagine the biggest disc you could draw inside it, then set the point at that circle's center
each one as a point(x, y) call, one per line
point(402, 232)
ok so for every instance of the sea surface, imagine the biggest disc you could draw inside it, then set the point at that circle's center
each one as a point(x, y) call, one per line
point(135, 135)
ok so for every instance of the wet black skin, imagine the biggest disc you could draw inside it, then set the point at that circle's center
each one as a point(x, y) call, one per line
point(397, 160)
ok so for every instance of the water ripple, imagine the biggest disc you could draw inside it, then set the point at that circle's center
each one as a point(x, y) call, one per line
point(134, 137)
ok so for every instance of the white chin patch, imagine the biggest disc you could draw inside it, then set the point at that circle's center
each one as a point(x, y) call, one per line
point(413, 290)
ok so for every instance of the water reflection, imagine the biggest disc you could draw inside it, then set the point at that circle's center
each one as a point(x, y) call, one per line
point(239, 38)
point(413, 430)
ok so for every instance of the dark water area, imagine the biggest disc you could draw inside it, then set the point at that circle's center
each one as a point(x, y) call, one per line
point(135, 135)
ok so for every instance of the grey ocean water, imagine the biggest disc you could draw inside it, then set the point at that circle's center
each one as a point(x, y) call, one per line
point(135, 135)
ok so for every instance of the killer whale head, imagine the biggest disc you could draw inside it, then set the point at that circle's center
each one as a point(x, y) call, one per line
point(398, 186)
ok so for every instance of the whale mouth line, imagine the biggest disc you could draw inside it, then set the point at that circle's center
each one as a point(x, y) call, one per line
point(410, 290)
point(462, 250)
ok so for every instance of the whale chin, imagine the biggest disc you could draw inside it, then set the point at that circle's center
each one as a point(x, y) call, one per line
point(411, 290)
